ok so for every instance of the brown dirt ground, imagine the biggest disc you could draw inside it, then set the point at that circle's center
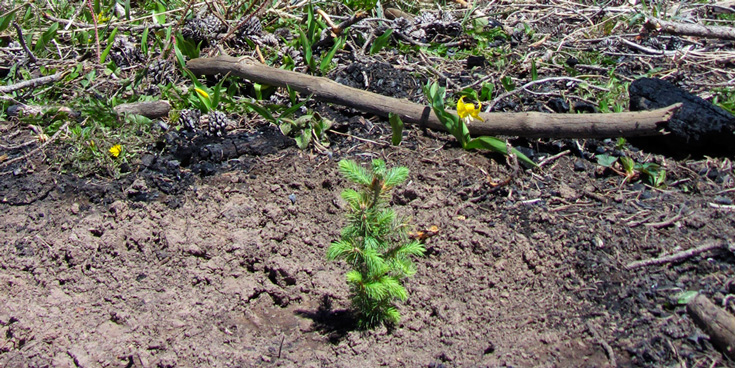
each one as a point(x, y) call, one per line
point(230, 270)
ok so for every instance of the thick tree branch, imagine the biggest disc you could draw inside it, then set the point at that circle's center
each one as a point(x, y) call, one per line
point(526, 124)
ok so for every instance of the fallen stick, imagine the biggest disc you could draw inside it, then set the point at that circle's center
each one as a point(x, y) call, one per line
point(689, 29)
point(149, 109)
point(33, 83)
point(716, 322)
point(677, 256)
point(525, 124)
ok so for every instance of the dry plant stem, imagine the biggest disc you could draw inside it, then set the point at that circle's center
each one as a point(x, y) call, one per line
point(526, 124)
point(697, 30)
point(677, 256)
point(53, 138)
point(33, 83)
point(96, 30)
point(23, 42)
point(716, 322)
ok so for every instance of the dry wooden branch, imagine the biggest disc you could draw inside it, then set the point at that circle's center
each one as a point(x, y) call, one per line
point(33, 83)
point(688, 29)
point(716, 322)
point(149, 109)
point(677, 256)
point(526, 124)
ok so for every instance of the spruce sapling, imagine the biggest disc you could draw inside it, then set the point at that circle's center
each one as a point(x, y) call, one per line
point(375, 243)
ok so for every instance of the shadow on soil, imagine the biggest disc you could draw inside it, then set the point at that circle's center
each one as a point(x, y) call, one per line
point(336, 324)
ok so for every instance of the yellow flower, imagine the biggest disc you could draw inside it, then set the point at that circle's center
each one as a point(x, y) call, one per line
point(468, 111)
point(201, 92)
point(115, 150)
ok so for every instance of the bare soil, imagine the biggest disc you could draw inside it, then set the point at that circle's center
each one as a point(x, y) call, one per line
point(175, 267)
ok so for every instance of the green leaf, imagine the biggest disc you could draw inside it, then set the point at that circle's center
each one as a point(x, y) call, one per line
point(159, 14)
point(187, 48)
point(354, 277)
point(628, 165)
point(507, 83)
point(685, 297)
point(327, 59)
point(534, 72)
point(381, 41)
point(396, 125)
point(144, 42)
point(306, 49)
point(180, 58)
point(286, 126)
point(497, 145)
point(7, 19)
point(303, 139)
point(606, 160)
point(486, 92)
point(46, 37)
point(261, 111)
point(110, 42)
point(469, 92)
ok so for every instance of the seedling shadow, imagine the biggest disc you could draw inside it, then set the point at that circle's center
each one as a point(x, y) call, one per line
point(333, 323)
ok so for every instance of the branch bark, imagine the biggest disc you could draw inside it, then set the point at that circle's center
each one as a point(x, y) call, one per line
point(526, 124)
point(689, 29)
point(716, 322)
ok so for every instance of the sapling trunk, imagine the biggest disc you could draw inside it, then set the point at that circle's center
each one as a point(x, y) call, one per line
point(375, 244)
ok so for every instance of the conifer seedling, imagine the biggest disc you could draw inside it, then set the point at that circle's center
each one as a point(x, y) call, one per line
point(375, 243)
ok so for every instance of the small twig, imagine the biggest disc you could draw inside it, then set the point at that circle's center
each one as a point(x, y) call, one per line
point(722, 206)
point(53, 138)
point(33, 83)
point(677, 256)
point(665, 223)
point(23, 42)
point(608, 350)
point(552, 158)
point(529, 84)
point(647, 50)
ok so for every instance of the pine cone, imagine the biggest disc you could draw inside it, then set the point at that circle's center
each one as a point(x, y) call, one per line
point(217, 123)
point(203, 29)
point(125, 53)
point(189, 119)
point(163, 72)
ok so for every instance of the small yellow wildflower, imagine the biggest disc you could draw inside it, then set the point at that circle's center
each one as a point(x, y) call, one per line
point(468, 111)
point(115, 150)
point(102, 17)
point(201, 92)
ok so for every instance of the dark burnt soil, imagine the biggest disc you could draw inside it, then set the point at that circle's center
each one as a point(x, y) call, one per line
point(198, 259)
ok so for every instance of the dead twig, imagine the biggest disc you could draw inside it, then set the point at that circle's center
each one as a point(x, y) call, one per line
point(23, 43)
point(553, 158)
point(33, 83)
point(677, 256)
point(29, 154)
point(686, 29)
